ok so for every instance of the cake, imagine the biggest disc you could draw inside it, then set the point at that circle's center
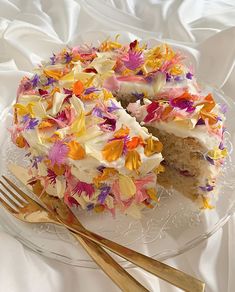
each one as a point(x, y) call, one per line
point(103, 126)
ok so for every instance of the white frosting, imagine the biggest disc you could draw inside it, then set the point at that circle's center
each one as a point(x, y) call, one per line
point(150, 90)
point(199, 132)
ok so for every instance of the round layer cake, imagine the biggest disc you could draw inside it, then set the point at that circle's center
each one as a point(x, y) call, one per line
point(74, 117)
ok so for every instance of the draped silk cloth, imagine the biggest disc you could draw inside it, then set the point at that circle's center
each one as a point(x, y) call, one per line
point(31, 30)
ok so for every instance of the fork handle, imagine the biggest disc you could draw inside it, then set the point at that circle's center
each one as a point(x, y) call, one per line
point(117, 274)
point(159, 269)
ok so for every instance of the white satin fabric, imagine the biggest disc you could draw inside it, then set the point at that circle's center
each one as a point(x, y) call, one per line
point(31, 30)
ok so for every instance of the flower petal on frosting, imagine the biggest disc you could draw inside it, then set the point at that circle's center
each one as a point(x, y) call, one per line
point(134, 142)
point(133, 160)
point(122, 132)
point(76, 151)
point(78, 87)
point(113, 150)
point(152, 146)
point(127, 187)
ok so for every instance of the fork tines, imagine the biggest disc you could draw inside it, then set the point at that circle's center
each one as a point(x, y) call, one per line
point(9, 199)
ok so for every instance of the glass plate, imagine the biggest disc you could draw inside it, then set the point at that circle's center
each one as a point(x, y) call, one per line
point(174, 226)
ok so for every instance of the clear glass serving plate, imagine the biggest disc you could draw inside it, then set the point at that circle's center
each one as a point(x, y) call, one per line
point(174, 226)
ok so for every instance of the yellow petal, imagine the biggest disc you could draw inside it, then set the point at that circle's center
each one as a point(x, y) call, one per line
point(113, 150)
point(206, 203)
point(78, 127)
point(24, 110)
point(127, 187)
point(152, 194)
point(159, 169)
point(107, 173)
point(152, 146)
point(133, 160)
point(216, 153)
point(54, 74)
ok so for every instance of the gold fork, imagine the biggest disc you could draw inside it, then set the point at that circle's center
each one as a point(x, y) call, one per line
point(170, 274)
point(27, 210)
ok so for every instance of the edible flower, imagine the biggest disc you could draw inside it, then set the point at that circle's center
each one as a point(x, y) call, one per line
point(84, 187)
point(76, 151)
point(217, 153)
point(58, 153)
point(104, 191)
point(20, 141)
point(78, 88)
point(206, 203)
point(32, 123)
point(126, 186)
point(122, 132)
point(152, 146)
point(113, 150)
point(133, 160)
point(108, 124)
point(134, 142)
point(133, 60)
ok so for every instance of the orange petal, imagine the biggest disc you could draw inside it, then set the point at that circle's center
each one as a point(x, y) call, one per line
point(20, 141)
point(212, 118)
point(122, 132)
point(166, 112)
point(78, 87)
point(58, 169)
point(133, 160)
point(99, 208)
point(152, 146)
point(76, 151)
point(134, 142)
point(113, 150)
point(107, 173)
point(45, 124)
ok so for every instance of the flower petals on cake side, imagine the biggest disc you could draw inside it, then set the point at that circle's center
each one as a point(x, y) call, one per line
point(83, 146)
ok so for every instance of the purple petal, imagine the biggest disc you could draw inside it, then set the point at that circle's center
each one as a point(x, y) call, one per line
point(221, 145)
point(26, 118)
point(90, 90)
point(189, 75)
point(223, 108)
point(50, 81)
point(200, 122)
point(207, 188)
point(35, 80)
point(90, 207)
point(138, 96)
point(210, 160)
point(105, 190)
point(53, 59)
point(68, 57)
point(97, 112)
point(168, 77)
point(32, 123)
point(113, 107)
point(100, 168)
point(178, 78)
point(108, 124)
